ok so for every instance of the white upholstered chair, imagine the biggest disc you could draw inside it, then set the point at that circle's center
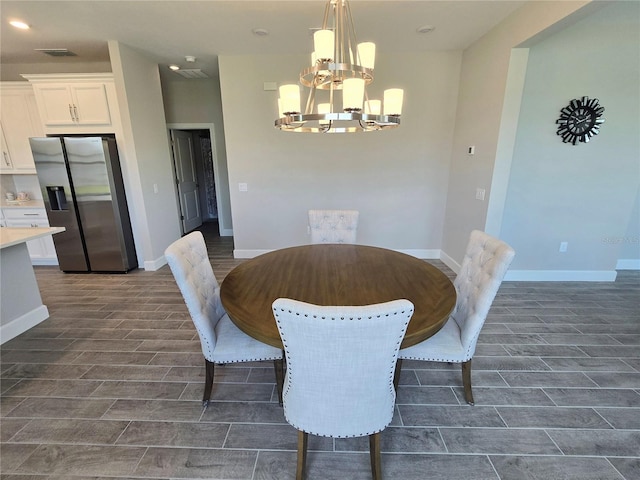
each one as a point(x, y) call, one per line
point(485, 263)
point(333, 226)
point(220, 339)
point(340, 369)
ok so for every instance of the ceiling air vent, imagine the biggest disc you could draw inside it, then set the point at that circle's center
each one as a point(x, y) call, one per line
point(191, 73)
point(56, 52)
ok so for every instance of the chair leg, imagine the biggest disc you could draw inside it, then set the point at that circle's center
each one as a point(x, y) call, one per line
point(396, 374)
point(278, 366)
point(374, 452)
point(303, 439)
point(466, 382)
point(208, 383)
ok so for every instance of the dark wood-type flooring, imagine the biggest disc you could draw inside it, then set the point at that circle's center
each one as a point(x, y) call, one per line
point(109, 387)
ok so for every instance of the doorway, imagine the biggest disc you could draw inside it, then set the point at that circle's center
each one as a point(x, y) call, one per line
point(196, 175)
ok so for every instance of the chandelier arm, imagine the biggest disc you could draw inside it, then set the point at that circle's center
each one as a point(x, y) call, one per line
point(311, 98)
point(325, 20)
point(357, 59)
point(331, 109)
point(339, 21)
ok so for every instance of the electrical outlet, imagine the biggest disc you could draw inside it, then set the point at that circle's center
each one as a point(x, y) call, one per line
point(480, 193)
point(563, 247)
point(243, 187)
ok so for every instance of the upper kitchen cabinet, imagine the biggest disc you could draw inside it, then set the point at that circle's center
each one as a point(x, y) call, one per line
point(75, 103)
point(19, 120)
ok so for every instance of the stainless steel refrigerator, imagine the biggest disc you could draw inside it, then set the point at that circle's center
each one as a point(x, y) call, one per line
point(83, 191)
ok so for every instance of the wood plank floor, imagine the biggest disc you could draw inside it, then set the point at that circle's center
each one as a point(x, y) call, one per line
point(109, 387)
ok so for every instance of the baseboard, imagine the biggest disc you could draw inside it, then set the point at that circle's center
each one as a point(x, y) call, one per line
point(44, 261)
point(156, 264)
point(449, 262)
point(421, 253)
point(23, 323)
point(628, 264)
point(544, 275)
point(226, 232)
point(561, 276)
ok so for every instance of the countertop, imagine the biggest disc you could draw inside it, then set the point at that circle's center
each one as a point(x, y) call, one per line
point(10, 236)
point(22, 204)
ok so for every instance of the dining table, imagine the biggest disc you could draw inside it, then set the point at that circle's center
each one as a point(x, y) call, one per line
point(336, 274)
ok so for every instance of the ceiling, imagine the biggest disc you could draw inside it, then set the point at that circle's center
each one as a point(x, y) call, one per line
point(166, 31)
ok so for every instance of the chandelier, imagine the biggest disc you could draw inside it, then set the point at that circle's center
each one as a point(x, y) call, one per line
point(340, 67)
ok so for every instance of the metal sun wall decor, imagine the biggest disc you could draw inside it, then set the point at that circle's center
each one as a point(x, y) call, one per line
point(580, 120)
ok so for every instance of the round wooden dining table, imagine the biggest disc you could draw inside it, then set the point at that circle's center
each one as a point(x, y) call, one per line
point(336, 274)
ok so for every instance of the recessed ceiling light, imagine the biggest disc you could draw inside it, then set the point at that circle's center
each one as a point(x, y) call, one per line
point(425, 29)
point(19, 24)
point(174, 67)
point(260, 32)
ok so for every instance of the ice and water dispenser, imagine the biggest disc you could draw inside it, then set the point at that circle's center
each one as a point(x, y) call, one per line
point(57, 198)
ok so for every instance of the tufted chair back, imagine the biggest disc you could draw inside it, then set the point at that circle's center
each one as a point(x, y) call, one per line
point(340, 365)
point(333, 226)
point(190, 265)
point(485, 263)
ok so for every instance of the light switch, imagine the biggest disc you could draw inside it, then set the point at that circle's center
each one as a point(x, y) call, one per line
point(471, 150)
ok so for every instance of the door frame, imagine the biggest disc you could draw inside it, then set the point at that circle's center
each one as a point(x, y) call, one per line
point(221, 203)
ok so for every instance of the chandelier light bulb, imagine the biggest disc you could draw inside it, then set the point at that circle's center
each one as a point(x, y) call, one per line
point(324, 43)
point(393, 101)
point(290, 99)
point(367, 54)
point(352, 94)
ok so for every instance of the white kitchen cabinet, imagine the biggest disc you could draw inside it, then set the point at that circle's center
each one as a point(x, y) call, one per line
point(73, 104)
point(70, 103)
point(41, 250)
point(19, 120)
point(6, 166)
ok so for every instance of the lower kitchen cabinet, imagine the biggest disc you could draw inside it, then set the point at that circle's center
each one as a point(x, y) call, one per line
point(41, 250)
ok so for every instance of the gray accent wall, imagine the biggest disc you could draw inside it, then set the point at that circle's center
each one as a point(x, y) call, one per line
point(586, 194)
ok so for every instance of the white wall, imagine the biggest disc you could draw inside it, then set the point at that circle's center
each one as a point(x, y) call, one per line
point(197, 101)
point(147, 154)
point(397, 179)
point(483, 86)
point(581, 194)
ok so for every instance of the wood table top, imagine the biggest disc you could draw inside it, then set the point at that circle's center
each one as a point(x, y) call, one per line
point(336, 274)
